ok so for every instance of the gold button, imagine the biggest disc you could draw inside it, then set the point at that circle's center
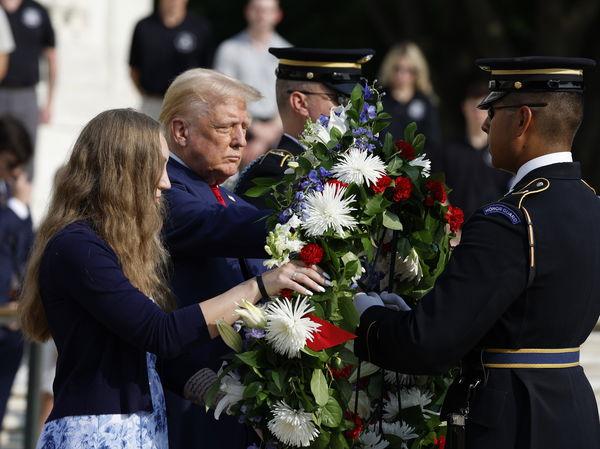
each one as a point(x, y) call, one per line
point(310, 75)
point(518, 84)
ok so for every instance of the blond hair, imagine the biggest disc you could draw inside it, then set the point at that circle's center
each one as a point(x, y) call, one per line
point(411, 52)
point(110, 182)
point(196, 91)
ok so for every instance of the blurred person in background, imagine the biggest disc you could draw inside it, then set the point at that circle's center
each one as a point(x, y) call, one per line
point(16, 237)
point(97, 284)
point(34, 38)
point(409, 95)
point(245, 57)
point(310, 81)
point(165, 44)
point(7, 43)
point(468, 164)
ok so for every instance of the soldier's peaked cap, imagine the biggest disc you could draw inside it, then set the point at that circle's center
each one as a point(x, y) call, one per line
point(339, 69)
point(532, 74)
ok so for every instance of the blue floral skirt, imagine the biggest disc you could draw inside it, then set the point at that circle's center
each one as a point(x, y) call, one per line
point(140, 430)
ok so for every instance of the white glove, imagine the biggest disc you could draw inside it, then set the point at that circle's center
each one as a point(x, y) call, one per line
point(363, 301)
point(394, 302)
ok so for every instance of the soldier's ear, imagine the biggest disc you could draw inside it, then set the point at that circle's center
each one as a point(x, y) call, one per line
point(525, 118)
point(179, 132)
point(299, 104)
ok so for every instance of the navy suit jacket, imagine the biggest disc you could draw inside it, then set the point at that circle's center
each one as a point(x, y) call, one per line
point(199, 273)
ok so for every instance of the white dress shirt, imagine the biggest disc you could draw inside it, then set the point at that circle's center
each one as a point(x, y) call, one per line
point(542, 161)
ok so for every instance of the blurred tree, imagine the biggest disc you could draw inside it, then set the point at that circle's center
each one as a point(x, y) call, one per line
point(452, 34)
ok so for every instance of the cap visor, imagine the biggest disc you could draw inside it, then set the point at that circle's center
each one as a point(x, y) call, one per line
point(492, 97)
point(343, 88)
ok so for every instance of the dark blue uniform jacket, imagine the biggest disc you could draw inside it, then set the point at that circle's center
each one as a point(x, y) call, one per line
point(483, 300)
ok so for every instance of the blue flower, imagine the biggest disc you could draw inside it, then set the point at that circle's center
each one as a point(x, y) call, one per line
point(367, 92)
point(285, 216)
point(299, 196)
point(255, 334)
point(324, 173)
point(369, 112)
point(323, 120)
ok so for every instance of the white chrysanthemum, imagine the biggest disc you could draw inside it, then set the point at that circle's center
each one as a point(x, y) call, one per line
point(287, 327)
point(234, 392)
point(358, 167)
point(422, 162)
point(372, 440)
point(292, 427)
point(364, 405)
point(409, 268)
point(404, 379)
point(400, 429)
point(328, 210)
point(412, 397)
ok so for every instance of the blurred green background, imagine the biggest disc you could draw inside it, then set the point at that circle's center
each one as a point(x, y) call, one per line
point(452, 34)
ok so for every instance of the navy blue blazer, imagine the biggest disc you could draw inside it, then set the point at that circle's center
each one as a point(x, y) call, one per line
point(103, 326)
point(16, 238)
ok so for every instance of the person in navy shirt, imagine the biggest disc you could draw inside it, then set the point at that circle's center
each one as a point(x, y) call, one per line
point(16, 237)
point(97, 284)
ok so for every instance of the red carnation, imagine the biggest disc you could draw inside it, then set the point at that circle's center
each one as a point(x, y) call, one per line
point(406, 150)
point(358, 425)
point(341, 373)
point(440, 443)
point(403, 189)
point(287, 293)
point(437, 192)
point(311, 254)
point(382, 183)
point(455, 218)
point(337, 183)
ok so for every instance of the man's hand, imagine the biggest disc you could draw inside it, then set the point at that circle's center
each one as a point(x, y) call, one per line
point(394, 302)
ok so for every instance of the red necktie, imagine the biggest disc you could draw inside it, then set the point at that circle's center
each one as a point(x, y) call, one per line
point(217, 193)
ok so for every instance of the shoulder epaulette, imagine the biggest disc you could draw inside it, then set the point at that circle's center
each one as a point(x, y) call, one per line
point(534, 187)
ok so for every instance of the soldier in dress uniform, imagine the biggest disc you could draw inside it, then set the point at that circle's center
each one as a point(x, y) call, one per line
point(521, 292)
point(310, 82)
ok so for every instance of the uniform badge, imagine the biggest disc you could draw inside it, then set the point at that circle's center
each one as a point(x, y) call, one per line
point(501, 209)
point(185, 42)
point(32, 17)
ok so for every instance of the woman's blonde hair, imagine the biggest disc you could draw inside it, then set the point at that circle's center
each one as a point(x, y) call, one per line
point(411, 52)
point(110, 182)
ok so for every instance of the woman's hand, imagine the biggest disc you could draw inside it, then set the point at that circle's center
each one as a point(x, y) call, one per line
point(295, 276)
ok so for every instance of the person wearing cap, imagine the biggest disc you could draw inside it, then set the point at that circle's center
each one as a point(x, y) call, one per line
point(520, 294)
point(310, 82)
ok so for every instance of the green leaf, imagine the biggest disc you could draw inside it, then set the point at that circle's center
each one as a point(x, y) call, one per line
point(322, 441)
point(252, 390)
point(356, 93)
point(395, 165)
point(255, 192)
point(419, 143)
point(277, 380)
point(391, 221)
point(349, 313)
point(250, 358)
point(388, 145)
point(265, 181)
point(318, 387)
point(331, 413)
point(374, 205)
point(338, 441)
point(409, 132)
point(321, 355)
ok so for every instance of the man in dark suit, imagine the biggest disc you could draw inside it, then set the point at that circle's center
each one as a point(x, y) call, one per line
point(205, 120)
point(16, 238)
point(521, 293)
point(310, 81)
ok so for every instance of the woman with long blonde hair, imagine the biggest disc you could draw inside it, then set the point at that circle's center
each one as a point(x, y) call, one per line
point(409, 95)
point(96, 283)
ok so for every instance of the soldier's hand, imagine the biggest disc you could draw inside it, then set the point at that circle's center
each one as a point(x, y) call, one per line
point(362, 301)
point(394, 302)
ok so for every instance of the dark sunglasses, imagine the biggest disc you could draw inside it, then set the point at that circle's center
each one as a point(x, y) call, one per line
point(492, 109)
point(334, 98)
